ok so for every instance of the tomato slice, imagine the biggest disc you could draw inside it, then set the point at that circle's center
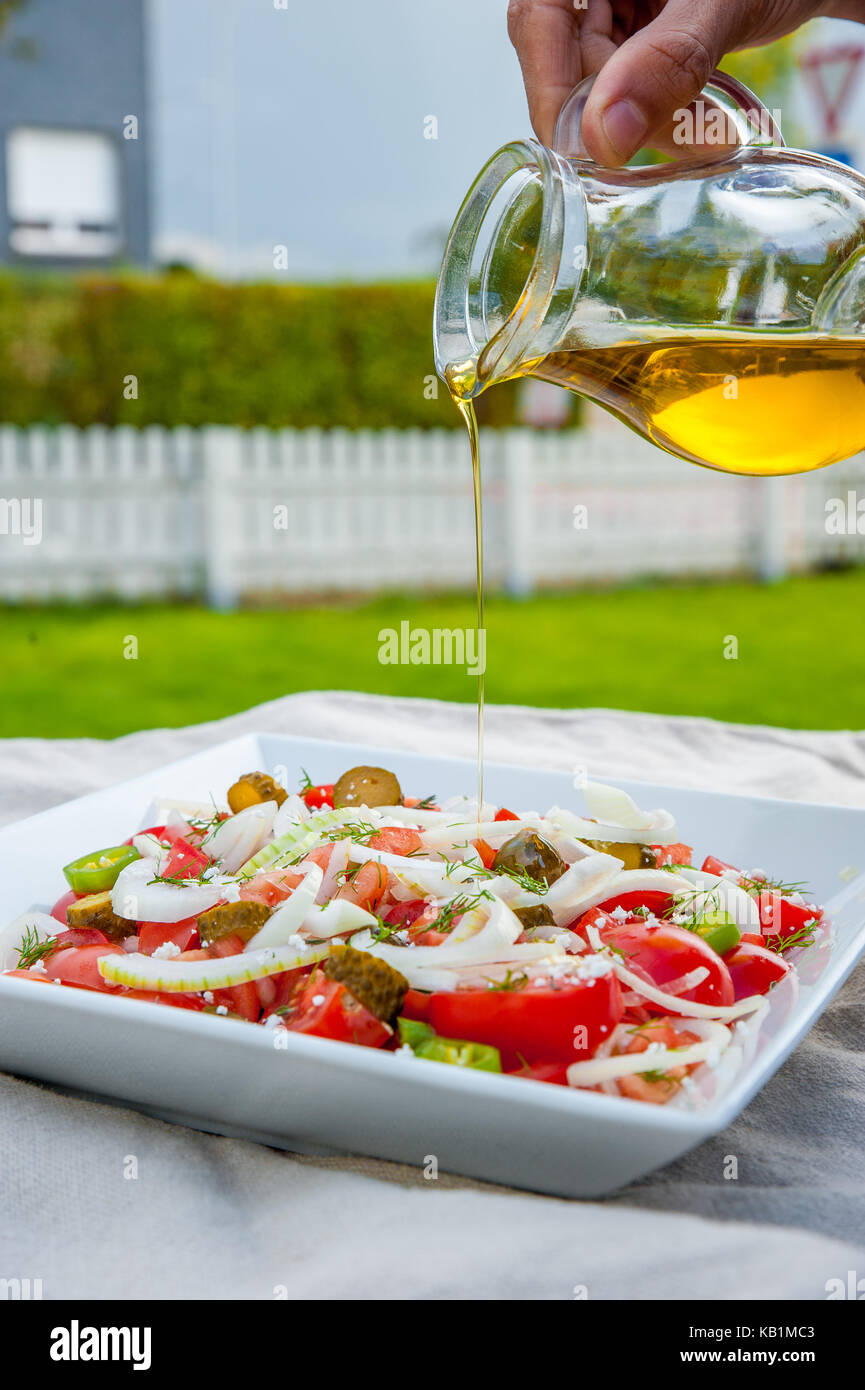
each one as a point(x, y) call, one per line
point(367, 887)
point(639, 1086)
point(416, 1005)
point(238, 999)
point(78, 965)
point(711, 865)
point(84, 936)
point(327, 1009)
point(782, 918)
point(271, 888)
point(152, 935)
point(396, 839)
point(540, 1023)
point(58, 911)
point(319, 796)
point(556, 1073)
point(754, 969)
point(662, 953)
point(486, 853)
point(672, 854)
point(405, 913)
point(657, 902)
point(504, 814)
point(184, 861)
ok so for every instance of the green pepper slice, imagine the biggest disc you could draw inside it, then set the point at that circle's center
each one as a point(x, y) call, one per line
point(412, 1031)
point(96, 872)
point(720, 931)
point(454, 1051)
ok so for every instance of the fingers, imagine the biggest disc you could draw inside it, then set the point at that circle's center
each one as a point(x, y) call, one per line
point(658, 71)
point(545, 34)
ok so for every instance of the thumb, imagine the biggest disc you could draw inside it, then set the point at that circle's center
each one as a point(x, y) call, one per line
point(657, 72)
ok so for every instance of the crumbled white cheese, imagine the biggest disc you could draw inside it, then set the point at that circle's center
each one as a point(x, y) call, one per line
point(318, 999)
point(207, 996)
point(166, 951)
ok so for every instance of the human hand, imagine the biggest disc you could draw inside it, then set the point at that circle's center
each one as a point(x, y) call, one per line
point(654, 57)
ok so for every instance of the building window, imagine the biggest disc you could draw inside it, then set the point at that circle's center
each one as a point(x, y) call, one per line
point(63, 193)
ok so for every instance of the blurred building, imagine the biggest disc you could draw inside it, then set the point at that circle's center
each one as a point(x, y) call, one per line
point(73, 173)
point(271, 138)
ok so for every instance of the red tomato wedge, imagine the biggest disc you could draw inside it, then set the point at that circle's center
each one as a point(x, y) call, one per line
point(367, 887)
point(540, 1023)
point(416, 1005)
point(754, 969)
point(184, 861)
point(486, 853)
point(782, 918)
point(152, 935)
point(238, 999)
point(664, 953)
point(672, 854)
point(319, 796)
point(504, 814)
point(658, 903)
point(271, 888)
point(83, 936)
point(556, 1073)
point(711, 865)
point(396, 839)
point(327, 1010)
point(639, 1086)
point(58, 911)
point(78, 965)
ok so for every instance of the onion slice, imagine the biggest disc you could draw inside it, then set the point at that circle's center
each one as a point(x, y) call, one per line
point(722, 1013)
point(597, 1070)
point(289, 916)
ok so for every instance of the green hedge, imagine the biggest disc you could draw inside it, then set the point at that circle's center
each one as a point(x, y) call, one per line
point(210, 353)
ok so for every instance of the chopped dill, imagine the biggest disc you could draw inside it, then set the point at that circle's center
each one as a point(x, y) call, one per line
point(32, 949)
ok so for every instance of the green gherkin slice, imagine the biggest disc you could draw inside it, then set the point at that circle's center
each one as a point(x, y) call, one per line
point(373, 982)
point(243, 919)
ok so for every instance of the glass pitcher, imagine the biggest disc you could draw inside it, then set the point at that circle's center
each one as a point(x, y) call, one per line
point(715, 304)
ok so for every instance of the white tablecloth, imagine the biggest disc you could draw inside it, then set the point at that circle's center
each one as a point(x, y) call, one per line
point(208, 1217)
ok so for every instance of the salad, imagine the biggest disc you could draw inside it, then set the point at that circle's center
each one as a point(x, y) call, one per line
point(578, 949)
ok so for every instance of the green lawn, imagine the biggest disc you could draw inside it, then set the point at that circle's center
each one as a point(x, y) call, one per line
point(800, 657)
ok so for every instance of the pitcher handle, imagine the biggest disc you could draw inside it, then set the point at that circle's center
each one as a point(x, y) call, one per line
point(753, 122)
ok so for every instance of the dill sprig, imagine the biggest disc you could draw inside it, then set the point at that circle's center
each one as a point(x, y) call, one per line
point(770, 885)
point(32, 949)
point(424, 804)
point(181, 880)
point(444, 922)
point(798, 939)
point(357, 831)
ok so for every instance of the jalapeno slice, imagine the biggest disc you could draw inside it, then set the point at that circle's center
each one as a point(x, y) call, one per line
point(98, 871)
point(720, 931)
point(454, 1051)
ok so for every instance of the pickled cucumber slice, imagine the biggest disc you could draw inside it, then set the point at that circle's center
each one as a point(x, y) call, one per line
point(96, 911)
point(633, 856)
point(192, 976)
point(373, 982)
point(243, 919)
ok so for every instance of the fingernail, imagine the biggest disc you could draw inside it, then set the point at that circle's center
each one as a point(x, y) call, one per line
point(624, 126)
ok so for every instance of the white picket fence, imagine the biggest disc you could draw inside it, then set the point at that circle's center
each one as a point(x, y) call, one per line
point(232, 514)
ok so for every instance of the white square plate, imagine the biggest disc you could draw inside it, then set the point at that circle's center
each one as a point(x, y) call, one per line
point(319, 1096)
